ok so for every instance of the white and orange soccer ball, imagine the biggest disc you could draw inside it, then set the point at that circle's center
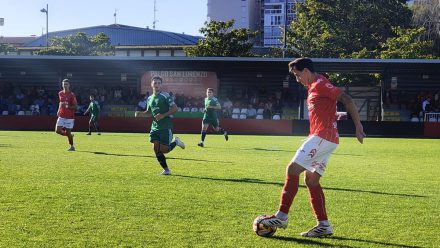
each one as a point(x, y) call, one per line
point(262, 230)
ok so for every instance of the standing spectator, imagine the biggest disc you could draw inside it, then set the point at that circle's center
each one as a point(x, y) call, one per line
point(426, 106)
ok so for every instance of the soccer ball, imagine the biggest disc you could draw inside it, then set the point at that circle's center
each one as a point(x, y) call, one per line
point(262, 230)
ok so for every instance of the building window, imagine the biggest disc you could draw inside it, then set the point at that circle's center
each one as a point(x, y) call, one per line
point(275, 20)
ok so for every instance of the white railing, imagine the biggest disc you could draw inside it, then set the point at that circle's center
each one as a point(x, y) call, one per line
point(432, 117)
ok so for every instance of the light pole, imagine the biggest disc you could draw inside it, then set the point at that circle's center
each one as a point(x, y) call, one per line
point(285, 29)
point(46, 10)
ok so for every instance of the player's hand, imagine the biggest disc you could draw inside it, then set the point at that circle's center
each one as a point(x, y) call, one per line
point(360, 135)
point(159, 117)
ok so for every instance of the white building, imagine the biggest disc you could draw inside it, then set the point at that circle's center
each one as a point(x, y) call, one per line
point(245, 12)
point(265, 16)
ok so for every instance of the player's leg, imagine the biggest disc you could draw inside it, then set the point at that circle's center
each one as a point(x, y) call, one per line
point(316, 194)
point(304, 159)
point(68, 124)
point(70, 138)
point(97, 125)
point(317, 201)
point(288, 193)
point(220, 130)
point(205, 126)
point(90, 126)
point(168, 144)
point(59, 127)
point(94, 120)
point(161, 158)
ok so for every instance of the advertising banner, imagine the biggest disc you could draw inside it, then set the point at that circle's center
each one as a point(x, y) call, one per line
point(187, 83)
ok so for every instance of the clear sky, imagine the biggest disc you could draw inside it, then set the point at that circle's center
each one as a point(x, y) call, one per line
point(23, 17)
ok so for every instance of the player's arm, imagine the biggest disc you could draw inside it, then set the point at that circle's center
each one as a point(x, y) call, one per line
point(217, 106)
point(145, 113)
point(352, 110)
point(73, 104)
point(173, 109)
point(87, 110)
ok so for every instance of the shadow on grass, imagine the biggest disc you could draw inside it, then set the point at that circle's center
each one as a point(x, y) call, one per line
point(259, 181)
point(148, 156)
point(305, 242)
point(5, 145)
point(316, 241)
point(269, 150)
point(374, 242)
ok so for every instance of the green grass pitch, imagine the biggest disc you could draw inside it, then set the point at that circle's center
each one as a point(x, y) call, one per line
point(384, 193)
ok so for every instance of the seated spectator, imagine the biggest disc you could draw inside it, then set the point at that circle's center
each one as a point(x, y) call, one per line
point(180, 101)
point(52, 107)
point(39, 101)
point(227, 106)
point(12, 107)
point(142, 104)
point(251, 112)
point(35, 109)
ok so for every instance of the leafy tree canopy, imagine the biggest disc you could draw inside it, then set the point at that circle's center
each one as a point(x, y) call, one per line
point(79, 45)
point(337, 28)
point(221, 40)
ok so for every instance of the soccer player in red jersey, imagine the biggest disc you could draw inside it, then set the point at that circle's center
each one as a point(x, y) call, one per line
point(66, 113)
point(312, 157)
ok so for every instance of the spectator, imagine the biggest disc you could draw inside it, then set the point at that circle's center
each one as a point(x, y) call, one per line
point(52, 107)
point(142, 104)
point(251, 112)
point(426, 104)
point(227, 107)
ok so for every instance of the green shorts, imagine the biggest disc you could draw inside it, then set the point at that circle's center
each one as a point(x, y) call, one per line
point(164, 136)
point(93, 118)
point(212, 122)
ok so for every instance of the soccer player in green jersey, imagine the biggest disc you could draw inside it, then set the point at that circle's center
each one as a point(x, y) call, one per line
point(94, 109)
point(210, 117)
point(160, 105)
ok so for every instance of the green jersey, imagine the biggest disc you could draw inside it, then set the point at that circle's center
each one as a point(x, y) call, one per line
point(160, 104)
point(94, 108)
point(211, 113)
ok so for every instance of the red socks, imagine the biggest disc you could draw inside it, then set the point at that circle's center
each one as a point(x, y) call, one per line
point(317, 200)
point(290, 189)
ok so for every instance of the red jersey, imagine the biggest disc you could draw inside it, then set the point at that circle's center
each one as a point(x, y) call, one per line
point(69, 99)
point(321, 101)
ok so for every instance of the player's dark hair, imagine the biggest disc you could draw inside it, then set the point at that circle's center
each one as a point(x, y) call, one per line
point(65, 80)
point(210, 89)
point(157, 78)
point(300, 64)
point(92, 95)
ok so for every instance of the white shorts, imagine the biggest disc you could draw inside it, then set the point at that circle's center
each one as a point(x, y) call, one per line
point(63, 122)
point(314, 154)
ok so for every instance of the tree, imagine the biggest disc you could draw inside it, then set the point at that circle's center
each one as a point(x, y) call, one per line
point(407, 45)
point(79, 45)
point(221, 40)
point(6, 48)
point(427, 15)
point(337, 28)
